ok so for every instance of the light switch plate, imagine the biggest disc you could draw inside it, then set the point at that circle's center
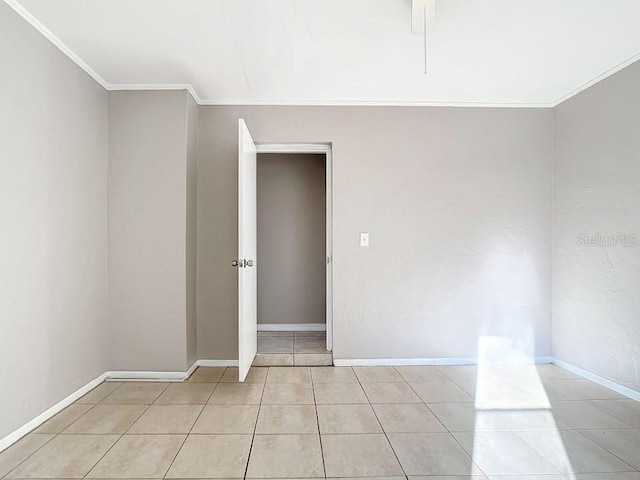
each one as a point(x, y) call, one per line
point(364, 239)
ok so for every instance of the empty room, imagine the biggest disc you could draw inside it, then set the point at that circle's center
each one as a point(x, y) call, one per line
point(338, 239)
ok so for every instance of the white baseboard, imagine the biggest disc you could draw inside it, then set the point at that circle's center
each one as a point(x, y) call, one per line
point(605, 382)
point(150, 376)
point(368, 362)
point(217, 363)
point(145, 376)
point(47, 414)
point(292, 327)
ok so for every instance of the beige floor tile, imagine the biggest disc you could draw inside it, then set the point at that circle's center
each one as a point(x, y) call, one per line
point(333, 375)
point(106, 419)
point(377, 374)
point(530, 477)
point(222, 419)
point(460, 373)
point(582, 389)
point(469, 387)
point(370, 478)
point(440, 392)
point(268, 359)
point(289, 375)
point(66, 456)
point(285, 456)
point(339, 393)
point(503, 453)
point(580, 415)
point(390, 393)
point(312, 359)
point(359, 456)
point(268, 333)
point(347, 419)
point(549, 371)
point(212, 456)
point(421, 373)
point(139, 456)
point(237, 394)
point(99, 393)
point(625, 444)
point(167, 419)
point(142, 393)
point(278, 419)
point(606, 476)
point(310, 341)
point(431, 454)
point(407, 418)
point(186, 394)
point(508, 371)
point(626, 410)
point(529, 420)
point(19, 451)
point(571, 452)
point(275, 344)
point(287, 393)
point(468, 477)
point(311, 333)
point(464, 417)
point(255, 375)
point(63, 419)
point(310, 345)
point(511, 394)
point(206, 375)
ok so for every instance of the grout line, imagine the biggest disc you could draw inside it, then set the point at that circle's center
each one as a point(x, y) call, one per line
point(55, 435)
point(194, 423)
point(126, 430)
point(32, 453)
point(473, 462)
point(380, 423)
point(255, 427)
point(315, 406)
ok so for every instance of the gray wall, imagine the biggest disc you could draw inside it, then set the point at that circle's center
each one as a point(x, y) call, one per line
point(53, 212)
point(148, 230)
point(457, 202)
point(291, 238)
point(596, 192)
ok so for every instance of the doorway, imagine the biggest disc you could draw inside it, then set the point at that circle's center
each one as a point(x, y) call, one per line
point(248, 262)
point(292, 248)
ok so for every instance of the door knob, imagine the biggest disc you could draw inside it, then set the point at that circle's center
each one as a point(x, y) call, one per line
point(235, 263)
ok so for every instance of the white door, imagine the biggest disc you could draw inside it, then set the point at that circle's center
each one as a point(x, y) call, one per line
point(247, 247)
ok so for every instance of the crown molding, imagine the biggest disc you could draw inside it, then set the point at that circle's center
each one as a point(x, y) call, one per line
point(615, 69)
point(35, 23)
point(155, 86)
point(49, 35)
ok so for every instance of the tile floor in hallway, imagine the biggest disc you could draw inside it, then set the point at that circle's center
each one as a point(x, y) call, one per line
point(505, 422)
point(292, 348)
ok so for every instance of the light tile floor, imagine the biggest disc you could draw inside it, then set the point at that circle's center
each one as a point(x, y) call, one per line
point(293, 348)
point(517, 422)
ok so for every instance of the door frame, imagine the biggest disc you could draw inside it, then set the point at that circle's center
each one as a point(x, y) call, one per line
point(322, 148)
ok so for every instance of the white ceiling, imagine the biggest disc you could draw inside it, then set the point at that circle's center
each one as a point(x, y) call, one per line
point(487, 52)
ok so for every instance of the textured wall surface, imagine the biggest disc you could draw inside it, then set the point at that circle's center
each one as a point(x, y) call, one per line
point(53, 217)
point(147, 230)
point(596, 280)
point(458, 205)
point(291, 238)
